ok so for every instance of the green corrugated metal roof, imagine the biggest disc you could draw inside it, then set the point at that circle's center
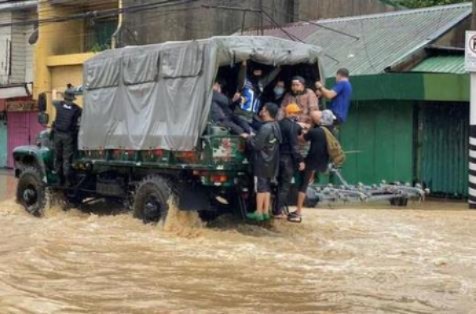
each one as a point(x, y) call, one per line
point(441, 64)
point(383, 39)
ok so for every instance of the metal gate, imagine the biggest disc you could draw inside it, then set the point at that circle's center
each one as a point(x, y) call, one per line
point(443, 148)
point(23, 127)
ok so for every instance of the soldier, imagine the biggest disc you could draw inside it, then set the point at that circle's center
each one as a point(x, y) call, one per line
point(65, 128)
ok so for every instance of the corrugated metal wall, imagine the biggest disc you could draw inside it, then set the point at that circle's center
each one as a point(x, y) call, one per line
point(3, 142)
point(443, 160)
point(23, 128)
point(379, 139)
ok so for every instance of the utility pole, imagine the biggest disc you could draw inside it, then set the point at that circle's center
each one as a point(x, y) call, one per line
point(261, 17)
point(470, 64)
point(473, 19)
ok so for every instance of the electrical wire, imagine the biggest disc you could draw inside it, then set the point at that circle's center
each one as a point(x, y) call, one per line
point(101, 13)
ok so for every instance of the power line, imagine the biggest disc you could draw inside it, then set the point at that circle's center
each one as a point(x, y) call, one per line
point(292, 37)
point(101, 13)
point(319, 25)
point(289, 15)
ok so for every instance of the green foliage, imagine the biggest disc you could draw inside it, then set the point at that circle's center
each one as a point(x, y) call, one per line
point(425, 3)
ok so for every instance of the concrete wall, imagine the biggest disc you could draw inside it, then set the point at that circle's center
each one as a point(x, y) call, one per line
point(324, 9)
point(193, 21)
point(54, 39)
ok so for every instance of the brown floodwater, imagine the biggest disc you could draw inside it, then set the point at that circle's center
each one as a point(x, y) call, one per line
point(351, 260)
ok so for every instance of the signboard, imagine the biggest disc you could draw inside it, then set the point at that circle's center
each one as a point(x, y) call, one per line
point(20, 105)
point(470, 48)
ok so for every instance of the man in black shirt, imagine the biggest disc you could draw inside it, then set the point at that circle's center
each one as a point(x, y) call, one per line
point(317, 158)
point(222, 112)
point(265, 146)
point(290, 158)
point(65, 129)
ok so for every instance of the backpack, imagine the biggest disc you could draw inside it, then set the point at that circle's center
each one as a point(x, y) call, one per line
point(336, 154)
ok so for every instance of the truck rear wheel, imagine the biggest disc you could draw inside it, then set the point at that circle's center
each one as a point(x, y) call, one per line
point(151, 199)
point(399, 201)
point(31, 192)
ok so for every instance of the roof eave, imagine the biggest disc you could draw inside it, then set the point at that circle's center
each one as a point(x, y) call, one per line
point(419, 51)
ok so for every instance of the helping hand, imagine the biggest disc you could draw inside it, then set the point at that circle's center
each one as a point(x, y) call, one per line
point(244, 135)
point(236, 97)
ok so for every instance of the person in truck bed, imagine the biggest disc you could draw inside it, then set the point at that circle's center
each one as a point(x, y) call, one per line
point(304, 97)
point(222, 112)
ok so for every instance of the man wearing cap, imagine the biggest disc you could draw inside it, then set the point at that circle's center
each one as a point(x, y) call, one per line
point(65, 128)
point(304, 97)
point(317, 158)
point(290, 158)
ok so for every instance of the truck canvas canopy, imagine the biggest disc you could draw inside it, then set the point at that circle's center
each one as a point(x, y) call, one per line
point(159, 96)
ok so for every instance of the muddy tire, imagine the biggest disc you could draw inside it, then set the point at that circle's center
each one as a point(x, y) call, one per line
point(151, 199)
point(403, 202)
point(32, 192)
point(399, 201)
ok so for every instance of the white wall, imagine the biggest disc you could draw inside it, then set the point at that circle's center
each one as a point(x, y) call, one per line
point(16, 54)
point(5, 44)
point(22, 55)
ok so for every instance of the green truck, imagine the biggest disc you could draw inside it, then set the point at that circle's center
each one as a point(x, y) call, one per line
point(145, 134)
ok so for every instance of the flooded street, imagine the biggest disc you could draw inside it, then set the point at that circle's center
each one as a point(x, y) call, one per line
point(337, 261)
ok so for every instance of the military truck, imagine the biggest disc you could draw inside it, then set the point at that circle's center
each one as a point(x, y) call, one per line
point(145, 135)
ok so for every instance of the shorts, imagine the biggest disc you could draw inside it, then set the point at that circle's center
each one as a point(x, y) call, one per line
point(305, 178)
point(262, 185)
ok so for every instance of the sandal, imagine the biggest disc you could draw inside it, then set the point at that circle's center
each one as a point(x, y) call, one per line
point(280, 216)
point(294, 217)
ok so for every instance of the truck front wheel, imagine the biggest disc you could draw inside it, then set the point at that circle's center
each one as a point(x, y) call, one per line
point(151, 199)
point(31, 192)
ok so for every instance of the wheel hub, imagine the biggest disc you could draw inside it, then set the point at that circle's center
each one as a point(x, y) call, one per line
point(29, 195)
point(152, 210)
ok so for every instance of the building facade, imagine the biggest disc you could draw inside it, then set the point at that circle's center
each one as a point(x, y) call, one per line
point(206, 18)
point(64, 44)
point(409, 116)
point(16, 77)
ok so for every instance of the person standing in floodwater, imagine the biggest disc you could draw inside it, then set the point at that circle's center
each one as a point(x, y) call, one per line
point(265, 146)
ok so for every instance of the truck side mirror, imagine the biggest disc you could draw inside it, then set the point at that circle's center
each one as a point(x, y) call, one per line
point(42, 102)
point(43, 118)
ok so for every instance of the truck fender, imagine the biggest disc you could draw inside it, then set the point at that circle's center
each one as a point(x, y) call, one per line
point(29, 156)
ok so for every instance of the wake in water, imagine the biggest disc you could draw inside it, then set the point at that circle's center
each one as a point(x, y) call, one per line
point(186, 224)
